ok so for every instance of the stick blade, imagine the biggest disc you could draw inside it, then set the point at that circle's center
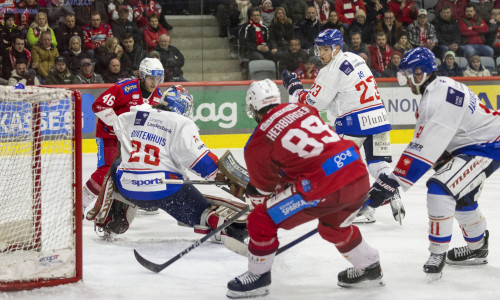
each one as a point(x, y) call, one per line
point(148, 264)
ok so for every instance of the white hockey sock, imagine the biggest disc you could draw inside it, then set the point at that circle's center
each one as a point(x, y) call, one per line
point(473, 225)
point(260, 264)
point(441, 209)
point(362, 256)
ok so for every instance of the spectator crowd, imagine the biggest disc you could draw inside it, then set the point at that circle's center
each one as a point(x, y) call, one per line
point(95, 41)
point(380, 31)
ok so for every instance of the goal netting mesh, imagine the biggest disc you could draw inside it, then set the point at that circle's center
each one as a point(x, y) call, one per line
point(37, 185)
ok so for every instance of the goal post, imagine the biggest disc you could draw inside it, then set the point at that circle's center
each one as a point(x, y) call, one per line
point(40, 187)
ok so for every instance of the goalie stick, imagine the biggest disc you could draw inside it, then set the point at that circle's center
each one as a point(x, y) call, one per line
point(159, 267)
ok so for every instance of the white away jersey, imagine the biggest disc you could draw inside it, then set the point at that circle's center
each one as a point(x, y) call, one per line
point(449, 117)
point(156, 145)
point(346, 87)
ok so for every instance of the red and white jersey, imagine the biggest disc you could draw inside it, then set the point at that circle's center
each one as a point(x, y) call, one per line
point(155, 145)
point(117, 100)
point(293, 144)
point(449, 117)
point(347, 88)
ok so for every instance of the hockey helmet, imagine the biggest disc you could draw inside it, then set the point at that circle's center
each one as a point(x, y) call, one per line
point(328, 37)
point(151, 67)
point(419, 57)
point(260, 94)
point(177, 99)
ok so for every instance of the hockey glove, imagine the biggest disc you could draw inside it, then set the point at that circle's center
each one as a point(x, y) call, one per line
point(383, 190)
point(291, 82)
point(255, 196)
point(234, 188)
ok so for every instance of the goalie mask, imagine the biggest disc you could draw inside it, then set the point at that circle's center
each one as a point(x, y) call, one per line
point(177, 99)
point(261, 94)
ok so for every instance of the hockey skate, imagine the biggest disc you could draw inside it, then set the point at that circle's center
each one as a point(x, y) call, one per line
point(465, 256)
point(398, 210)
point(249, 285)
point(354, 277)
point(365, 216)
point(434, 266)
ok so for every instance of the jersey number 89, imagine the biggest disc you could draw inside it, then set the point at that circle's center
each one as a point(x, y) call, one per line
point(297, 140)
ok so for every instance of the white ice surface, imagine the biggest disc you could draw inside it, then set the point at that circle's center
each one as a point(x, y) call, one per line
point(307, 271)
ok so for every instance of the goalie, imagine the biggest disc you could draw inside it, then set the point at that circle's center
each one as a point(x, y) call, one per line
point(156, 143)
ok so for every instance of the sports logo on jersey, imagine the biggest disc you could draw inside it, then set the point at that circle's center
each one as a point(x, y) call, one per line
point(403, 166)
point(415, 146)
point(455, 97)
point(129, 88)
point(337, 162)
point(346, 67)
point(140, 118)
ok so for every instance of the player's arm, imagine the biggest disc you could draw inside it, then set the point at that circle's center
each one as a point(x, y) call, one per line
point(104, 105)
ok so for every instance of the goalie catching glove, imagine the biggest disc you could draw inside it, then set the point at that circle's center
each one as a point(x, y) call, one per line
point(383, 190)
point(234, 188)
point(291, 82)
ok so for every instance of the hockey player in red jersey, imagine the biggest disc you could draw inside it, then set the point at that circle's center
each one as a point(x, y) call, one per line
point(108, 106)
point(300, 170)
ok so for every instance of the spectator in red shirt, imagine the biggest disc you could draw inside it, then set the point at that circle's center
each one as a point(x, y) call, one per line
point(308, 69)
point(152, 32)
point(380, 54)
point(95, 33)
point(404, 10)
point(473, 29)
point(346, 9)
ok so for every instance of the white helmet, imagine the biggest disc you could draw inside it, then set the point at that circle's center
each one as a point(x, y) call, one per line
point(261, 94)
point(151, 67)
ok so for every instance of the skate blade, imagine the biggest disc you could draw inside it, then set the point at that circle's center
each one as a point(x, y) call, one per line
point(364, 221)
point(468, 262)
point(431, 277)
point(363, 284)
point(248, 294)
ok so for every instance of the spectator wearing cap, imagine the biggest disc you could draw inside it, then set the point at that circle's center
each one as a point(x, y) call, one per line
point(171, 59)
point(65, 32)
point(37, 27)
point(23, 74)
point(123, 25)
point(360, 25)
point(95, 34)
point(422, 33)
point(44, 55)
point(133, 54)
point(267, 12)
point(447, 31)
point(449, 67)
point(8, 32)
point(15, 52)
point(392, 67)
point(75, 55)
point(346, 9)
point(457, 7)
point(152, 32)
point(114, 72)
point(391, 27)
point(307, 70)
point(59, 73)
point(87, 75)
point(473, 30)
point(475, 68)
point(114, 8)
point(405, 11)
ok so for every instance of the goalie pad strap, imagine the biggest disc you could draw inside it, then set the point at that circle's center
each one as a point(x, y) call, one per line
point(219, 201)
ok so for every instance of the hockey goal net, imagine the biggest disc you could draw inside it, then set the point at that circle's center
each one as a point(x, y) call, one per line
point(40, 187)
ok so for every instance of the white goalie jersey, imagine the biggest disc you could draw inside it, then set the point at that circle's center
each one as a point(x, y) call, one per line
point(156, 145)
point(347, 88)
point(449, 117)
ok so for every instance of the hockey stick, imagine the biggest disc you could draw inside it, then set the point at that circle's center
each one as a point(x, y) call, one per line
point(159, 267)
point(296, 241)
point(180, 181)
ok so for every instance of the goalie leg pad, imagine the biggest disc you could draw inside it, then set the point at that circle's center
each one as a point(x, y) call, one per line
point(90, 192)
point(473, 225)
point(441, 209)
point(119, 218)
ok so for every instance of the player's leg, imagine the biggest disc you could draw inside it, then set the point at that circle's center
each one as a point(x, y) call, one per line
point(106, 152)
point(337, 228)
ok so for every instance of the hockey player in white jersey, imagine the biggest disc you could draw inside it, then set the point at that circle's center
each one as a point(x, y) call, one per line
point(158, 142)
point(347, 88)
point(450, 119)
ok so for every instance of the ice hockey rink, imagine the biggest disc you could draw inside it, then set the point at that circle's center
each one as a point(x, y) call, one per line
point(306, 271)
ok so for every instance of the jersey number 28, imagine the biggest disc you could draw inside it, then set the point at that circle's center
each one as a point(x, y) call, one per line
point(297, 140)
